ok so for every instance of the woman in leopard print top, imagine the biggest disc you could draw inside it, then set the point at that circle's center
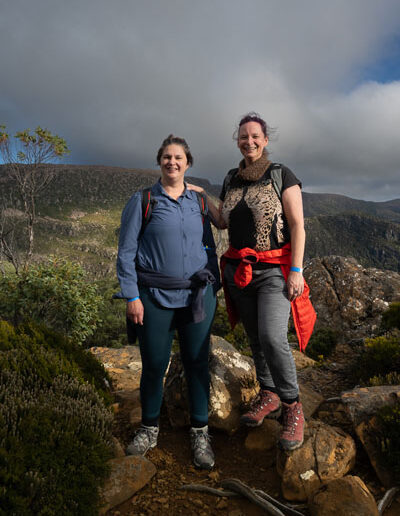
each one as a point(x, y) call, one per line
point(264, 221)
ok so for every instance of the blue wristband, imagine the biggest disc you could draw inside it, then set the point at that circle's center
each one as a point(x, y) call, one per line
point(296, 269)
point(133, 299)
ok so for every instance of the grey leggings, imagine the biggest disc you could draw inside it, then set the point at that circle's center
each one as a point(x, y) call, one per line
point(264, 310)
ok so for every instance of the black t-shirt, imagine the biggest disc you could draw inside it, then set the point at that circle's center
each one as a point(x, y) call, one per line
point(253, 211)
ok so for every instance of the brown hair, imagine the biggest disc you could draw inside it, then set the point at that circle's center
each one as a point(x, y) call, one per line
point(175, 140)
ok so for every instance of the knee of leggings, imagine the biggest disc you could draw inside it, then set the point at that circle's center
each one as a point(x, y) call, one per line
point(154, 370)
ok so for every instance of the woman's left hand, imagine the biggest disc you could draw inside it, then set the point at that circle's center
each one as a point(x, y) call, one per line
point(295, 285)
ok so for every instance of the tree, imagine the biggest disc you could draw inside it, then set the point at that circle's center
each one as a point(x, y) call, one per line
point(26, 160)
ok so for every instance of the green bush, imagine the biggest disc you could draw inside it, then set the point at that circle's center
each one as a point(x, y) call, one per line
point(111, 331)
point(391, 318)
point(387, 379)
point(379, 357)
point(56, 293)
point(34, 349)
point(55, 430)
point(322, 343)
point(389, 438)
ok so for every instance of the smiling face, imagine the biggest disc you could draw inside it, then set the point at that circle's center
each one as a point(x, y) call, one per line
point(173, 163)
point(251, 141)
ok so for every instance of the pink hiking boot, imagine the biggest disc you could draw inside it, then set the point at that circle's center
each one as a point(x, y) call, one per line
point(292, 434)
point(267, 404)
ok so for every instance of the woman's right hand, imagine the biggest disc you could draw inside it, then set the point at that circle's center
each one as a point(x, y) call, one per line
point(195, 188)
point(135, 311)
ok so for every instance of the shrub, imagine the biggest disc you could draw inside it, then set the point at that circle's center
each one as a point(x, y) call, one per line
point(387, 379)
point(391, 318)
point(389, 438)
point(34, 349)
point(55, 293)
point(379, 357)
point(322, 343)
point(111, 331)
point(55, 430)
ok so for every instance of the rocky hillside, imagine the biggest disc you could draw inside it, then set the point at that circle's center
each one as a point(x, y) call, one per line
point(79, 215)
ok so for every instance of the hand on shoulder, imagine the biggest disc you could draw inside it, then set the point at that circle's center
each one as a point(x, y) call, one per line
point(195, 188)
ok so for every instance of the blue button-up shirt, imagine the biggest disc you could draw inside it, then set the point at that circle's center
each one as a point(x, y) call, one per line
point(171, 243)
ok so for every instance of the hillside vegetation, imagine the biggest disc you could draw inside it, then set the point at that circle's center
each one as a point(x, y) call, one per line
point(79, 216)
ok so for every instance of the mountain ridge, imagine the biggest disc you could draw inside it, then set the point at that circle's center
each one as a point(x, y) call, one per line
point(85, 197)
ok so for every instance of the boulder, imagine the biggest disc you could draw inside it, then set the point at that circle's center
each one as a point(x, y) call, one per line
point(363, 402)
point(355, 411)
point(123, 365)
point(310, 400)
point(128, 475)
point(348, 297)
point(233, 383)
point(264, 437)
point(327, 453)
point(348, 495)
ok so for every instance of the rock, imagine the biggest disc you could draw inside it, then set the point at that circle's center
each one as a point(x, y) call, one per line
point(348, 496)
point(123, 365)
point(301, 360)
point(233, 383)
point(327, 453)
point(128, 475)
point(368, 433)
point(349, 298)
point(310, 400)
point(362, 403)
point(263, 437)
point(118, 449)
point(356, 411)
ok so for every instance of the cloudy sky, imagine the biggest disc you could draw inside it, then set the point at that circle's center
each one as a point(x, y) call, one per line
point(116, 77)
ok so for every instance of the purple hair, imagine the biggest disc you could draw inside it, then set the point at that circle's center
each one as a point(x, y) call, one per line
point(252, 117)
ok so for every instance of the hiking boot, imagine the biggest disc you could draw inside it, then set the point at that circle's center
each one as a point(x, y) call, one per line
point(266, 405)
point(203, 456)
point(145, 438)
point(292, 433)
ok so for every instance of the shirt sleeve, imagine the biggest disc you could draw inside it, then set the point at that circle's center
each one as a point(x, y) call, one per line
point(289, 179)
point(131, 223)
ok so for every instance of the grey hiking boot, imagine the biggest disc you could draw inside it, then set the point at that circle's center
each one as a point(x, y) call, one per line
point(145, 438)
point(203, 456)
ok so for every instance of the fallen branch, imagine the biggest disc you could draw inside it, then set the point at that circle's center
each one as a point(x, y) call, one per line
point(285, 508)
point(387, 499)
point(237, 486)
point(207, 489)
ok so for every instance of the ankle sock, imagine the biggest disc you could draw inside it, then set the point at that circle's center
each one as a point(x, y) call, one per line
point(289, 401)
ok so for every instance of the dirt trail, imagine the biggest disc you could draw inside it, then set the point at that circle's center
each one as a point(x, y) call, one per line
point(172, 458)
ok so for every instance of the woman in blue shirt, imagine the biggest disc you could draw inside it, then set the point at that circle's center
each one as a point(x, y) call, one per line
point(160, 270)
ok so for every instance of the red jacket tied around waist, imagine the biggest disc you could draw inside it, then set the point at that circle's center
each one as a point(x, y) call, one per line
point(304, 315)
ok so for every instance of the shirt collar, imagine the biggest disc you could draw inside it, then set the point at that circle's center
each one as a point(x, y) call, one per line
point(159, 189)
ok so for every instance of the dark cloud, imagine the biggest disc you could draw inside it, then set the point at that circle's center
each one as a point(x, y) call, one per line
point(114, 78)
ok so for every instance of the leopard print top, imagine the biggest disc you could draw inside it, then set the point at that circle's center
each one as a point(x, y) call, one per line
point(254, 214)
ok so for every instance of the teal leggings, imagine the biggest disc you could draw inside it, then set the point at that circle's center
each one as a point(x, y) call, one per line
point(155, 341)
